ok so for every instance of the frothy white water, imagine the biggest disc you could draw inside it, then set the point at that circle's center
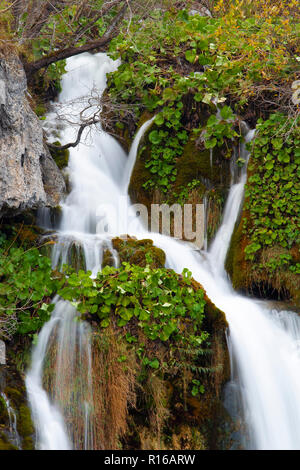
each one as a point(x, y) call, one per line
point(263, 345)
point(265, 348)
point(49, 425)
point(221, 242)
point(133, 153)
point(96, 209)
point(64, 344)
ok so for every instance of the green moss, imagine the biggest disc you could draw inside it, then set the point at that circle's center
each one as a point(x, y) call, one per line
point(24, 423)
point(40, 110)
point(196, 164)
point(146, 243)
point(136, 252)
point(16, 396)
point(3, 411)
point(76, 256)
point(141, 175)
point(28, 444)
point(61, 157)
point(107, 259)
point(5, 444)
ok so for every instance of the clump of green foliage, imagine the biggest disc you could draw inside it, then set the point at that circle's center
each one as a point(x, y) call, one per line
point(157, 298)
point(27, 286)
point(156, 305)
point(167, 143)
point(208, 60)
point(183, 195)
point(273, 193)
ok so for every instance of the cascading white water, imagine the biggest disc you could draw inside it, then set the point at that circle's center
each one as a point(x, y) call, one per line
point(96, 209)
point(221, 242)
point(263, 345)
point(49, 425)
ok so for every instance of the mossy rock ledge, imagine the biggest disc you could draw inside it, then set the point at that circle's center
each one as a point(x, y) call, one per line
point(137, 252)
point(60, 156)
point(13, 387)
point(212, 170)
point(146, 407)
point(280, 285)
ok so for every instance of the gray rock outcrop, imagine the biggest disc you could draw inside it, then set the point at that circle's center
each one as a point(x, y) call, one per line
point(29, 177)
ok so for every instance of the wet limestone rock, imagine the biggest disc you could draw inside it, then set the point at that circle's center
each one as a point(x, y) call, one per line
point(29, 177)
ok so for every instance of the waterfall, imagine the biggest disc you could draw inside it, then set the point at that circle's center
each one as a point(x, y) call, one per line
point(132, 154)
point(264, 346)
point(221, 242)
point(59, 382)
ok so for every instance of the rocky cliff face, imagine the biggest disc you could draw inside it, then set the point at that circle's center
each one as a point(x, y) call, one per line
point(29, 177)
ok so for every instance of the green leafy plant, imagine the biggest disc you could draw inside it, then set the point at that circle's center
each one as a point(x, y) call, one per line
point(27, 286)
point(273, 192)
point(160, 304)
point(195, 63)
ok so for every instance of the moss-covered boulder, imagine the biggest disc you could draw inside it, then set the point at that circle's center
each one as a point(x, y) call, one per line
point(160, 358)
point(209, 168)
point(139, 252)
point(159, 403)
point(202, 177)
point(271, 280)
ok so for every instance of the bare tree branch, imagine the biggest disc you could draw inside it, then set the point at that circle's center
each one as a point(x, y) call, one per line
point(77, 141)
point(86, 111)
point(8, 8)
point(32, 67)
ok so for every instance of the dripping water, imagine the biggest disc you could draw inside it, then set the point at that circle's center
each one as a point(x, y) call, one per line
point(13, 434)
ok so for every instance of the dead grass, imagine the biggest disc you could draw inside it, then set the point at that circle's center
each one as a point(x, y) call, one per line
point(114, 388)
point(159, 411)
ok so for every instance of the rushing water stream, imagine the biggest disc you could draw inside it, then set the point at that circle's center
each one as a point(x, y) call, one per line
point(263, 344)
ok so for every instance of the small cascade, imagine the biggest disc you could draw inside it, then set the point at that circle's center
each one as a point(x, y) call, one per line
point(43, 218)
point(133, 153)
point(82, 252)
point(264, 386)
point(61, 364)
point(59, 382)
point(13, 435)
point(220, 245)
